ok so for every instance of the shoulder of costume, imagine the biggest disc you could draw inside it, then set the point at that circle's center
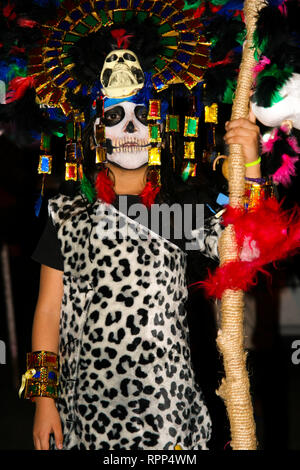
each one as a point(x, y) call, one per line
point(62, 207)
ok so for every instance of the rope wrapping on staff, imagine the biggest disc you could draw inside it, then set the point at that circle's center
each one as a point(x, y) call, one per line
point(235, 387)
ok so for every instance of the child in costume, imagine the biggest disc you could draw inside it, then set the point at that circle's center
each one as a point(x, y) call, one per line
point(110, 367)
point(126, 379)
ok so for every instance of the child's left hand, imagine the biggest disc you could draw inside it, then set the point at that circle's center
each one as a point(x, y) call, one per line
point(246, 133)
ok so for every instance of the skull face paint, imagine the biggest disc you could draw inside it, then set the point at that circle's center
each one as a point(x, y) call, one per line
point(121, 75)
point(127, 128)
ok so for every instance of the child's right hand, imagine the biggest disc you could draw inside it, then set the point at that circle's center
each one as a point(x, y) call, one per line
point(46, 422)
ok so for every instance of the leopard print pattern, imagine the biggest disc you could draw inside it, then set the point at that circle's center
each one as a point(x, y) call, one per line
point(126, 379)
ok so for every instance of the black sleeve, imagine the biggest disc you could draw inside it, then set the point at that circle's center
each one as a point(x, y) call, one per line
point(205, 256)
point(48, 250)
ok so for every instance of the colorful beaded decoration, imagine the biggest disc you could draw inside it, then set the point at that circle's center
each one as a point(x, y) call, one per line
point(41, 377)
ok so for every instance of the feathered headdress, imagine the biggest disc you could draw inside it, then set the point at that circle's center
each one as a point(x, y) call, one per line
point(276, 95)
point(52, 52)
point(53, 55)
point(276, 98)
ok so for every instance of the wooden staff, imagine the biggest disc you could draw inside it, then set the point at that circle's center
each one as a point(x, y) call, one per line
point(234, 388)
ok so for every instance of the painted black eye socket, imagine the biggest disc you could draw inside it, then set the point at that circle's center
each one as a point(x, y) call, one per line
point(113, 116)
point(141, 114)
point(128, 56)
point(112, 58)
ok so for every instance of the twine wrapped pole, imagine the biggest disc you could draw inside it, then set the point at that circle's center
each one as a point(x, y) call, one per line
point(235, 386)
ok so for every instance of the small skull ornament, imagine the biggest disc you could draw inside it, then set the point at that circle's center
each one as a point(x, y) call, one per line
point(121, 75)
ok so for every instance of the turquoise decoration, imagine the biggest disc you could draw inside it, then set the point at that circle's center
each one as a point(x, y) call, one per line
point(38, 205)
point(45, 167)
point(222, 199)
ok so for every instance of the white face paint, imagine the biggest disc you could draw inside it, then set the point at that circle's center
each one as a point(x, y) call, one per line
point(126, 126)
point(121, 75)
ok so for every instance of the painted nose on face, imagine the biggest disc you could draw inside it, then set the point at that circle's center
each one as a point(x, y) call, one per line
point(130, 128)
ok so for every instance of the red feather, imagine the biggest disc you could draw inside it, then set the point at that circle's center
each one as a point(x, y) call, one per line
point(104, 187)
point(234, 275)
point(8, 11)
point(18, 87)
point(17, 50)
point(199, 12)
point(275, 234)
point(215, 9)
point(121, 37)
point(227, 60)
point(105, 191)
point(149, 193)
point(25, 23)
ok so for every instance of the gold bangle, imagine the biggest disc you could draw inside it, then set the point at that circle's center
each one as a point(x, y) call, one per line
point(42, 359)
point(42, 375)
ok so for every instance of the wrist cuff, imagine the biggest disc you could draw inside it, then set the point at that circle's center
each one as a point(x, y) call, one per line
point(42, 375)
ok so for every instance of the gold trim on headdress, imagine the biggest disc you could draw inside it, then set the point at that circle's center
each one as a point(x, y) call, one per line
point(183, 60)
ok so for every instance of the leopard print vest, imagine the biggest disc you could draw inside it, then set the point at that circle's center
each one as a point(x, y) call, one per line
point(126, 379)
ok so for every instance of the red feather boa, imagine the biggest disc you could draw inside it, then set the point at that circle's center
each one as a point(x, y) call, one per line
point(8, 11)
point(17, 88)
point(269, 231)
point(149, 193)
point(104, 187)
point(105, 191)
point(227, 60)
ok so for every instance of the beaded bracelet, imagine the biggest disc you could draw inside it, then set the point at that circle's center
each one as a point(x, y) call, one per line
point(256, 180)
point(256, 162)
point(41, 377)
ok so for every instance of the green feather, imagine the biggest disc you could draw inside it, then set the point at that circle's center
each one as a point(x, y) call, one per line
point(240, 38)
point(259, 46)
point(16, 71)
point(190, 5)
point(229, 91)
point(213, 41)
point(87, 189)
point(280, 74)
point(276, 97)
point(219, 2)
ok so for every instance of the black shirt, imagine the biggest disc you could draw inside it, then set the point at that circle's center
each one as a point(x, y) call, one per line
point(48, 251)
